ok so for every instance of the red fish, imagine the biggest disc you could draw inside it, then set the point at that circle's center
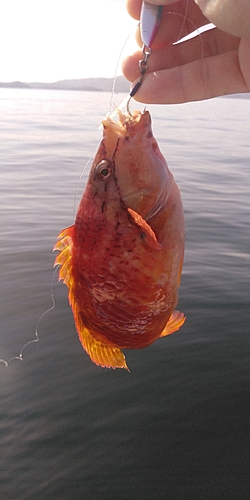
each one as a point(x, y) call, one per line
point(122, 259)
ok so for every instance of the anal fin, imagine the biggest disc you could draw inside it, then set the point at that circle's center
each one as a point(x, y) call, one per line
point(101, 354)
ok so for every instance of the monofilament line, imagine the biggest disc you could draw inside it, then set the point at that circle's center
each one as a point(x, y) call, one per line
point(36, 339)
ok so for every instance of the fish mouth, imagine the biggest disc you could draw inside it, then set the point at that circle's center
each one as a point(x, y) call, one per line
point(124, 121)
point(126, 126)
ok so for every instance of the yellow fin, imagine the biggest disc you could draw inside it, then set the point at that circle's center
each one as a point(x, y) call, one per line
point(147, 231)
point(175, 321)
point(64, 258)
point(101, 354)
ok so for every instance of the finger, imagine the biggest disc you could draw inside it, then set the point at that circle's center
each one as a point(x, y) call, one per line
point(178, 20)
point(230, 15)
point(209, 43)
point(134, 6)
point(198, 80)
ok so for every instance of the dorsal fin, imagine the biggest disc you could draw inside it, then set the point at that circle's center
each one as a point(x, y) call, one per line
point(147, 231)
point(64, 245)
point(64, 258)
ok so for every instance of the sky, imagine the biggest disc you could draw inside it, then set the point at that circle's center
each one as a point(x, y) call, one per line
point(50, 40)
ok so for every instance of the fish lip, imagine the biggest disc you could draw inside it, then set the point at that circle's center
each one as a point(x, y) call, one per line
point(127, 126)
point(126, 121)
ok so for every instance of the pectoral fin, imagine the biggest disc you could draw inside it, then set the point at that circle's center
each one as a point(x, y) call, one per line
point(175, 321)
point(147, 231)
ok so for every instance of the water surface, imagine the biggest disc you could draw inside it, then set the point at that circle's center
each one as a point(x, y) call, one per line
point(177, 426)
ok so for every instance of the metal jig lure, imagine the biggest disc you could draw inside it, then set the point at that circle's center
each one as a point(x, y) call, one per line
point(149, 23)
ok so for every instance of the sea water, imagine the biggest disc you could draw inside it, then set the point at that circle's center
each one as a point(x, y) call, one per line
point(177, 426)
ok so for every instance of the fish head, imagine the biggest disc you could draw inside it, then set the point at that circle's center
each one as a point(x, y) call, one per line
point(142, 175)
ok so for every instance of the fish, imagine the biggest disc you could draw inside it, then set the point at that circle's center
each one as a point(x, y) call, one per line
point(122, 258)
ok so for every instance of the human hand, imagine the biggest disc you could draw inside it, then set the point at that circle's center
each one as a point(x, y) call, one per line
point(211, 64)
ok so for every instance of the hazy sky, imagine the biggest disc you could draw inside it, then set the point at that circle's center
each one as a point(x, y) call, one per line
point(49, 40)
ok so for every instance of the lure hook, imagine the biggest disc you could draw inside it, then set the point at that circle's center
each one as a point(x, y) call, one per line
point(143, 66)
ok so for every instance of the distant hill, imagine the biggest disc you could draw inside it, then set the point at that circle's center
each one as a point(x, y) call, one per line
point(90, 84)
point(15, 85)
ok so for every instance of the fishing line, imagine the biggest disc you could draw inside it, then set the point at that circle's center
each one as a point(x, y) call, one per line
point(36, 339)
point(183, 23)
point(199, 31)
point(188, 37)
point(115, 110)
point(112, 111)
point(80, 178)
point(112, 105)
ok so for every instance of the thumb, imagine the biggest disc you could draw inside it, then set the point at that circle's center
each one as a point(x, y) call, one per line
point(231, 16)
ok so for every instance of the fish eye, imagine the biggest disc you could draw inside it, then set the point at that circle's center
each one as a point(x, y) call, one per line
point(103, 170)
